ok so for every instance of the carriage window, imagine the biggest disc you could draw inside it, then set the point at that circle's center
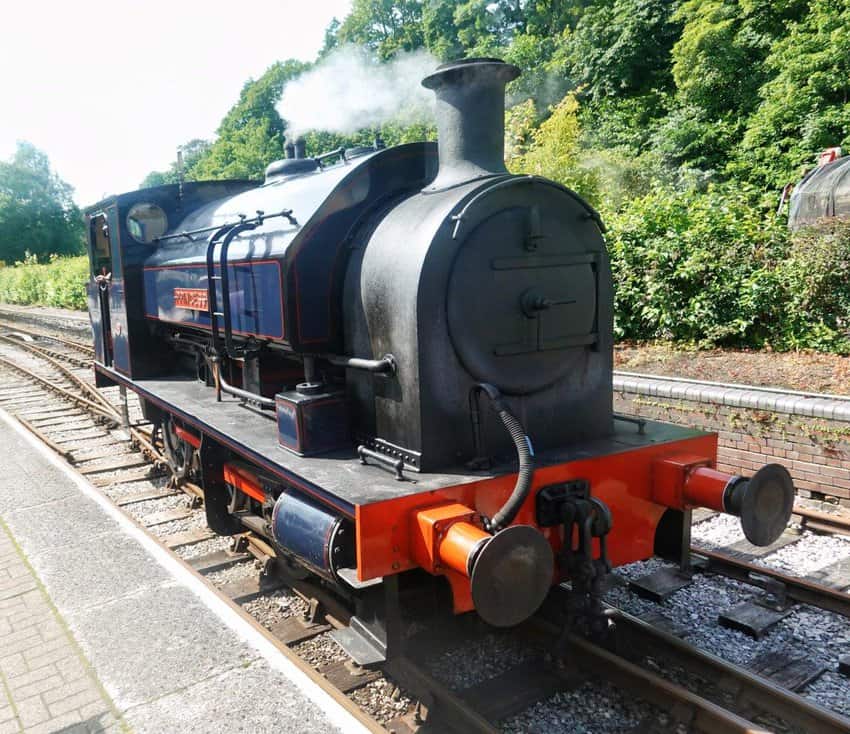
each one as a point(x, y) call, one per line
point(146, 222)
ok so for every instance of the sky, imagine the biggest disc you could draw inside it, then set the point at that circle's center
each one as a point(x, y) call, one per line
point(109, 89)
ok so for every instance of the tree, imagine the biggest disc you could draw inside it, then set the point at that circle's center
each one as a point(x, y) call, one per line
point(331, 38)
point(384, 26)
point(37, 212)
point(554, 150)
point(251, 135)
point(622, 48)
point(193, 152)
point(805, 105)
point(719, 66)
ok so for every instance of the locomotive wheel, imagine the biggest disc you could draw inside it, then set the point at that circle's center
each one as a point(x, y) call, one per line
point(179, 454)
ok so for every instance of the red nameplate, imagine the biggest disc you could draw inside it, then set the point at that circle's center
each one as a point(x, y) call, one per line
point(195, 299)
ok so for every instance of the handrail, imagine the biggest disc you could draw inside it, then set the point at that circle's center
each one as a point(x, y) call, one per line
point(229, 347)
point(212, 299)
point(258, 220)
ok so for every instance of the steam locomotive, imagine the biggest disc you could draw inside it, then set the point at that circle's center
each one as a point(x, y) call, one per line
point(395, 364)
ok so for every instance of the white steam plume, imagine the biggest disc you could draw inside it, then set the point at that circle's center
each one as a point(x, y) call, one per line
point(349, 91)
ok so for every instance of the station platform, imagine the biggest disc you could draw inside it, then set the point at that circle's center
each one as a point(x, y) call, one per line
point(103, 630)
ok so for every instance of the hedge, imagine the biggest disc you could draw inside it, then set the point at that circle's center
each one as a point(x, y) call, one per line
point(60, 283)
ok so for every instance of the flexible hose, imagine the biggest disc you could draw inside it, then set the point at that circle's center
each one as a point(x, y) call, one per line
point(525, 453)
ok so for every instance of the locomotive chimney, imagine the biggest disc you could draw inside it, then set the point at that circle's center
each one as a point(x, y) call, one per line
point(289, 149)
point(300, 147)
point(470, 118)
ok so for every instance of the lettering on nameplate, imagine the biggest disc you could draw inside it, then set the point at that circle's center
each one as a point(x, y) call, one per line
point(195, 299)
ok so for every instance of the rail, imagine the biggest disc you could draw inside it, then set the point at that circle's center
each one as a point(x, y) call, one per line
point(797, 588)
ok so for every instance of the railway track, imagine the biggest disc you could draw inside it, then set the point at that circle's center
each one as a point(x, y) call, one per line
point(48, 388)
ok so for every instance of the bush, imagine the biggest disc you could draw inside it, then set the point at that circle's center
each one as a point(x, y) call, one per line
point(553, 149)
point(816, 276)
point(717, 268)
point(60, 283)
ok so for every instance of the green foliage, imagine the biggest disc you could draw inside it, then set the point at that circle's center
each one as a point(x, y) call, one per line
point(384, 26)
point(251, 135)
point(710, 55)
point(37, 213)
point(623, 122)
point(193, 152)
point(817, 284)
point(679, 118)
point(60, 282)
point(805, 105)
point(687, 137)
point(552, 149)
point(621, 48)
point(717, 269)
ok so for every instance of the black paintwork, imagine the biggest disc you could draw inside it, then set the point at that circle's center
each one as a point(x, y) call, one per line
point(473, 276)
point(448, 305)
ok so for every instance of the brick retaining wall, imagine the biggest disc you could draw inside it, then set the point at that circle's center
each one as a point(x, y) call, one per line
point(809, 435)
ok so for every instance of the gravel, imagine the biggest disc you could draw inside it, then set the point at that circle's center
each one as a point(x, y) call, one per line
point(479, 659)
point(271, 608)
point(58, 320)
point(163, 504)
point(195, 521)
point(320, 650)
point(124, 489)
point(73, 424)
point(591, 708)
point(231, 574)
point(808, 555)
point(205, 547)
point(718, 531)
point(99, 451)
point(382, 699)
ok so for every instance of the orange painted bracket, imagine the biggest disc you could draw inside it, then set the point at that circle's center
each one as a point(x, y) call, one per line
point(444, 541)
point(669, 474)
point(428, 531)
point(390, 541)
point(461, 592)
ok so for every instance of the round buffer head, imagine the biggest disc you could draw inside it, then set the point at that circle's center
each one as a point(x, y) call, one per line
point(767, 503)
point(512, 576)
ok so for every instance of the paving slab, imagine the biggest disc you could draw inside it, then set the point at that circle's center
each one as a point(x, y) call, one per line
point(109, 567)
point(103, 629)
point(46, 683)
